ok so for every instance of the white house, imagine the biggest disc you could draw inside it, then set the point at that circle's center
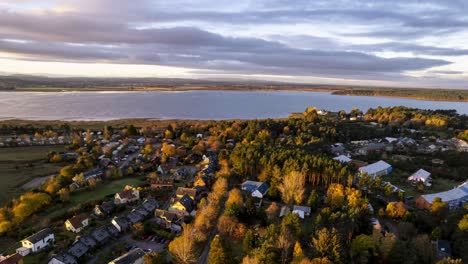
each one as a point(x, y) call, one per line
point(134, 256)
point(377, 169)
point(128, 195)
point(36, 242)
point(302, 211)
point(421, 176)
point(343, 159)
point(256, 189)
point(77, 223)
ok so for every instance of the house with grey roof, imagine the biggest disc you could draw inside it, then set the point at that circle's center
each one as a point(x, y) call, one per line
point(78, 250)
point(255, 188)
point(121, 223)
point(150, 205)
point(134, 217)
point(63, 258)
point(88, 241)
point(100, 235)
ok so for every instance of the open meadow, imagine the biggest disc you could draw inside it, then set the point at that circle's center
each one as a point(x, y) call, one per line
point(19, 165)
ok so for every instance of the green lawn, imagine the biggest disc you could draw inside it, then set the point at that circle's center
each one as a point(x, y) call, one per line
point(21, 164)
point(103, 190)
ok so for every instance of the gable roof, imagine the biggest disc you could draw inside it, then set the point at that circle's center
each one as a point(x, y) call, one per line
point(251, 186)
point(126, 194)
point(39, 235)
point(134, 217)
point(181, 191)
point(150, 204)
point(122, 222)
point(77, 221)
point(375, 167)
point(186, 202)
point(100, 234)
point(88, 241)
point(163, 214)
point(78, 249)
point(420, 175)
point(65, 258)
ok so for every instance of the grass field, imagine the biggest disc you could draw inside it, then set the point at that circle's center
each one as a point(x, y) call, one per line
point(103, 190)
point(21, 164)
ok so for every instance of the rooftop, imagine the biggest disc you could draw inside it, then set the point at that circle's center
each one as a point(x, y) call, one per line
point(39, 235)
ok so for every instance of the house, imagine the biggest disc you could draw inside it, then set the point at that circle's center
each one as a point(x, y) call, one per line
point(88, 241)
point(421, 176)
point(142, 211)
point(150, 204)
point(371, 147)
point(94, 174)
point(161, 182)
point(36, 242)
point(168, 220)
point(256, 189)
point(77, 223)
point(112, 230)
point(100, 235)
point(343, 159)
point(128, 195)
point(376, 224)
point(302, 211)
point(443, 249)
point(337, 148)
point(105, 209)
point(134, 217)
point(121, 223)
point(63, 258)
point(135, 256)
point(182, 206)
point(455, 197)
point(12, 259)
point(181, 191)
point(78, 250)
point(377, 169)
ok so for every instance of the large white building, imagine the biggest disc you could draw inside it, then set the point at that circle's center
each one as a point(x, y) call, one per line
point(377, 169)
point(455, 197)
point(255, 188)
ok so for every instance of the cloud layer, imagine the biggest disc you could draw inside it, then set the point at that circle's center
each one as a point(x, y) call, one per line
point(392, 41)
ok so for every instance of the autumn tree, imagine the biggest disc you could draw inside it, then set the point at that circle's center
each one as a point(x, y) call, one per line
point(335, 196)
point(292, 188)
point(463, 224)
point(438, 208)
point(217, 253)
point(168, 149)
point(249, 242)
point(395, 209)
point(64, 194)
point(327, 244)
point(182, 248)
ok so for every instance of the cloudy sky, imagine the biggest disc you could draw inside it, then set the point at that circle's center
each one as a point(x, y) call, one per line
point(380, 42)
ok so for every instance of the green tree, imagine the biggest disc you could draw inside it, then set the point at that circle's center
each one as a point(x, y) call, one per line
point(362, 248)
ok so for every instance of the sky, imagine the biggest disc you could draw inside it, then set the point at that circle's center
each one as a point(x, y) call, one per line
point(407, 43)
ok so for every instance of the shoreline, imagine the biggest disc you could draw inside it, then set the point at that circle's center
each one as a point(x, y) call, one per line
point(332, 91)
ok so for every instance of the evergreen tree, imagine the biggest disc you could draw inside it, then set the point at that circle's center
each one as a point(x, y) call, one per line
point(217, 252)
